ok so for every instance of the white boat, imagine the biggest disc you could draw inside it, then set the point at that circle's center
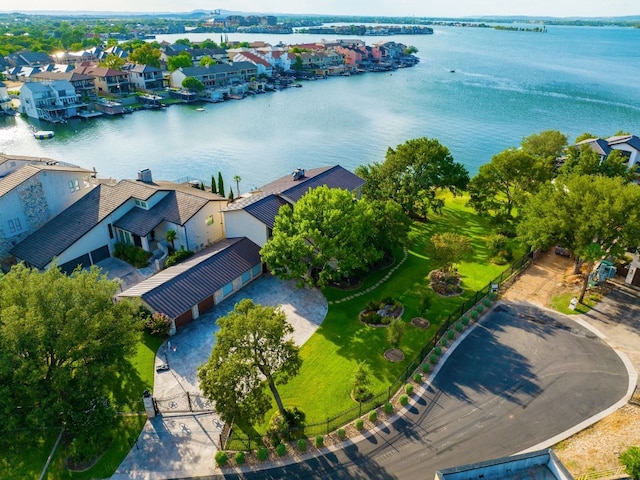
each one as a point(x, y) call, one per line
point(42, 134)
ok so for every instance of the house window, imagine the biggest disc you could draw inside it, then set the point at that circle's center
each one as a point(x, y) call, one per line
point(110, 227)
point(15, 226)
point(141, 203)
point(74, 185)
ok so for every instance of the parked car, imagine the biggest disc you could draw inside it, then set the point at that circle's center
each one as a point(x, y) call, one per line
point(563, 252)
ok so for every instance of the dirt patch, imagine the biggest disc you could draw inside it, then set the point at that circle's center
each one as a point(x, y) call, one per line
point(420, 322)
point(394, 355)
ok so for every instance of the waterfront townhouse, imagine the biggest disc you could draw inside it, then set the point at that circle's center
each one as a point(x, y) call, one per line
point(144, 77)
point(34, 190)
point(54, 101)
point(108, 81)
point(214, 76)
point(262, 65)
point(133, 212)
point(84, 85)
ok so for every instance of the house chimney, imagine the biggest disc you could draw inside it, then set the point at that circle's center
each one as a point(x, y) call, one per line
point(145, 176)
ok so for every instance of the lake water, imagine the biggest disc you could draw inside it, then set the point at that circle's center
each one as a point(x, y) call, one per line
point(506, 85)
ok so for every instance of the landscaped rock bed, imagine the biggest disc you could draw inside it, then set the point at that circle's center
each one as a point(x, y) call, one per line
point(445, 284)
point(394, 355)
point(420, 322)
point(380, 313)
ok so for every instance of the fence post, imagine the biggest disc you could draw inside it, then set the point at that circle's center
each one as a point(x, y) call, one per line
point(189, 402)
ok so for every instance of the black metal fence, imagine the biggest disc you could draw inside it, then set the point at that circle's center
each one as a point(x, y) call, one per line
point(237, 441)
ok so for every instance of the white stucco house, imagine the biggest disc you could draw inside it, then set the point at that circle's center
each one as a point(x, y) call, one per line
point(33, 193)
point(253, 216)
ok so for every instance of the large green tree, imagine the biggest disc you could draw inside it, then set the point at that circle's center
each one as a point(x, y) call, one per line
point(329, 237)
point(593, 216)
point(193, 84)
point(62, 340)
point(113, 61)
point(449, 248)
point(584, 160)
point(412, 174)
point(146, 55)
point(504, 183)
point(253, 346)
point(546, 146)
point(183, 59)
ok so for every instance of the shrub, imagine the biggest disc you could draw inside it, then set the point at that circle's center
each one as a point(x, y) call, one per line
point(437, 351)
point(372, 305)
point(417, 378)
point(426, 367)
point(486, 302)
point(386, 320)
point(280, 428)
point(492, 296)
point(136, 256)
point(319, 441)
point(433, 359)
point(359, 424)
point(262, 454)
point(630, 458)
point(388, 408)
point(404, 400)
point(176, 257)
point(443, 342)
point(281, 449)
point(479, 308)
point(465, 320)
point(342, 433)
point(221, 458)
point(302, 445)
point(373, 416)
point(158, 324)
point(459, 327)
point(240, 458)
point(408, 389)
point(474, 315)
point(451, 334)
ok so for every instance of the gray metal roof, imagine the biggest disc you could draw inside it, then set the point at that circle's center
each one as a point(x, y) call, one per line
point(216, 68)
point(175, 290)
point(63, 230)
point(631, 140)
point(176, 207)
point(266, 209)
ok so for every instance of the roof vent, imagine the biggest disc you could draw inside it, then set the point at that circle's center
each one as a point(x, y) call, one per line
point(145, 176)
point(298, 173)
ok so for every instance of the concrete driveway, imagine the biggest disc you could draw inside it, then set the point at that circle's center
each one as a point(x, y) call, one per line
point(183, 445)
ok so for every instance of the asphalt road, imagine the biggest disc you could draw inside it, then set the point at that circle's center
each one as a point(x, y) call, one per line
point(522, 376)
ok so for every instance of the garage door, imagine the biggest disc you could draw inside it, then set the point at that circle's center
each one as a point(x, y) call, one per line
point(100, 254)
point(206, 304)
point(83, 261)
point(182, 320)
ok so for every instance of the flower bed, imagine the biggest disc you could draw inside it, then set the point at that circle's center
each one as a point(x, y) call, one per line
point(381, 312)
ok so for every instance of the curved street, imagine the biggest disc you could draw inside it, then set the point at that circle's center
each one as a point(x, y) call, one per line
point(523, 375)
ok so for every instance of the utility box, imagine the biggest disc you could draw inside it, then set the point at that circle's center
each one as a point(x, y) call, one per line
point(147, 400)
point(573, 303)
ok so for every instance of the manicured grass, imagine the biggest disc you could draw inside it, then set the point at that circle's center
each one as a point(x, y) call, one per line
point(561, 303)
point(321, 390)
point(127, 387)
point(124, 437)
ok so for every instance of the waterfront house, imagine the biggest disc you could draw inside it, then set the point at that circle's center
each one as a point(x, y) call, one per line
point(5, 100)
point(27, 58)
point(628, 145)
point(34, 190)
point(55, 101)
point(131, 212)
point(84, 85)
point(144, 77)
point(253, 216)
point(263, 66)
point(108, 81)
point(185, 291)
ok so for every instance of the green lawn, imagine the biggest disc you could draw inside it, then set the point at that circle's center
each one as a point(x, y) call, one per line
point(561, 302)
point(322, 388)
point(26, 461)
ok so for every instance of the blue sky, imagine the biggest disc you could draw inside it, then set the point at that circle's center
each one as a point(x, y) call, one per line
point(423, 8)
